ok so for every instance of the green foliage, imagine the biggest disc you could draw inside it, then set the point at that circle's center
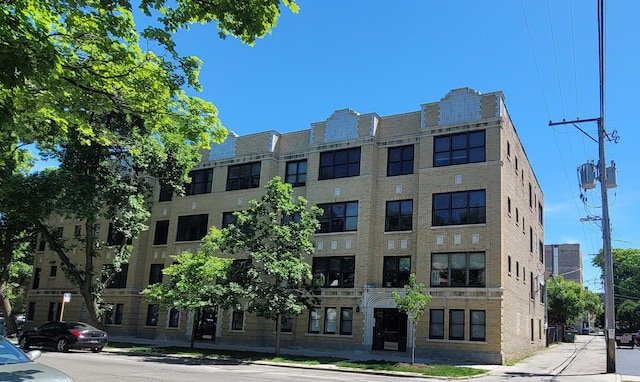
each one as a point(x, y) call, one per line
point(413, 302)
point(274, 233)
point(626, 281)
point(568, 302)
point(194, 281)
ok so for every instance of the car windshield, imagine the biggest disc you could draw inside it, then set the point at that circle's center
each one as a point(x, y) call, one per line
point(10, 354)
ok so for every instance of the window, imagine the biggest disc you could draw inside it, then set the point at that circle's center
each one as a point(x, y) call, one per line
point(455, 208)
point(200, 182)
point(36, 278)
point(459, 149)
point(113, 315)
point(237, 320)
point(227, 219)
point(509, 264)
point(541, 251)
point(119, 280)
point(96, 231)
point(540, 214)
point(41, 243)
point(346, 321)
point(400, 160)
point(314, 320)
point(243, 176)
point(296, 173)
point(166, 194)
point(53, 271)
point(153, 311)
point(478, 325)
point(116, 237)
point(399, 216)
point(155, 273)
point(517, 269)
point(192, 227)
point(286, 325)
point(162, 232)
point(531, 246)
point(436, 323)
point(509, 205)
point(330, 320)
point(458, 269)
point(456, 324)
point(396, 271)
point(335, 271)
point(339, 163)
point(338, 217)
point(532, 289)
point(530, 196)
point(31, 311)
point(77, 230)
point(174, 317)
point(53, 312)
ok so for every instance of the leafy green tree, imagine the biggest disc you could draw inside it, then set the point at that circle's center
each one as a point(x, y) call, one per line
point(274, 234)
point(413, 302)
point(76, 84)
point(626, 281)
point(568, 302)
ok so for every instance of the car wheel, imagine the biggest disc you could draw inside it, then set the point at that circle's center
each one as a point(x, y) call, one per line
point(23, 343)
point(96, 350)
point(62, 345)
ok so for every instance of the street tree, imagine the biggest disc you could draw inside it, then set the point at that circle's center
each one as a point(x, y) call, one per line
point(274, 236)
point(413, 302)
point(76, 84)
point(568, 301)
point(626, 279)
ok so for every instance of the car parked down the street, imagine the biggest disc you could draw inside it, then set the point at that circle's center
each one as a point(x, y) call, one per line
point(65, 335)
point(15, 365)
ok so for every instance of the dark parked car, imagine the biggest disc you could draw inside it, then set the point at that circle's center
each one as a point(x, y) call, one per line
point(65, 335)
point(18, 366)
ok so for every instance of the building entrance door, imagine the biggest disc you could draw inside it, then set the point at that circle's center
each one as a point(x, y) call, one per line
point(206, 323)
point(389, 330)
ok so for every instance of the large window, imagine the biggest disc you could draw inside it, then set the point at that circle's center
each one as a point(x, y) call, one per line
point(396, 271)
point(155, 273)
point(400, 160)
point(399, 215)
point(330, 320)
point(338, 217)
point(335, 271)
point(200, 182)
point(346, 321)
point(314, 320)
point(237, 320)
point(478, 325)
point(243, 176)
point(162, 232)
point(436, 323)
point(340, 163)
point(456, 324)
point(459, 149)
point(153, 310)
point(116, 237)
point(192, 227)
point(458, 269)
point(166, 194)
point(455, 208)
point(113, 314)
point(296, 174)
point(174, 318)
point(119, 280)
point(227, 219)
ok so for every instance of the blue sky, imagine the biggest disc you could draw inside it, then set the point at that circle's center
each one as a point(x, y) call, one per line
point(389, 57)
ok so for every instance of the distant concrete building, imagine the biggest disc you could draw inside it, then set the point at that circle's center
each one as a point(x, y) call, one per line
point(564, 260)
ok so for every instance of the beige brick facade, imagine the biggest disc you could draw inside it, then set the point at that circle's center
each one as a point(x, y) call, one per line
point(507, 294)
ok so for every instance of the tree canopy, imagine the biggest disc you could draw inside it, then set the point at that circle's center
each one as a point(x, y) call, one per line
point(568, 301)
point(414, 303)
point(626, 282)
point(77, 84)
point(274, 235)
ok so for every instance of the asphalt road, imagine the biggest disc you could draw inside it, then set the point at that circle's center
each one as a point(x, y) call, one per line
point(114, 367)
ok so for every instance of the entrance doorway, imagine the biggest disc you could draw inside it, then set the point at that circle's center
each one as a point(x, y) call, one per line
point(389, 330)
point(206, 323)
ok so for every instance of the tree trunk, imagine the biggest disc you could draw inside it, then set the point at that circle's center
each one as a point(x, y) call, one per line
point(278, 330)
point(5, 305)
point(92, 306)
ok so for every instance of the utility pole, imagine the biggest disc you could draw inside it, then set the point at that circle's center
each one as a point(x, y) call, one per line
point(609, 302)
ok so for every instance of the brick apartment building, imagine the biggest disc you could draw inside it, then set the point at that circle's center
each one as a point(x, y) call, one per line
point(445, 192)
